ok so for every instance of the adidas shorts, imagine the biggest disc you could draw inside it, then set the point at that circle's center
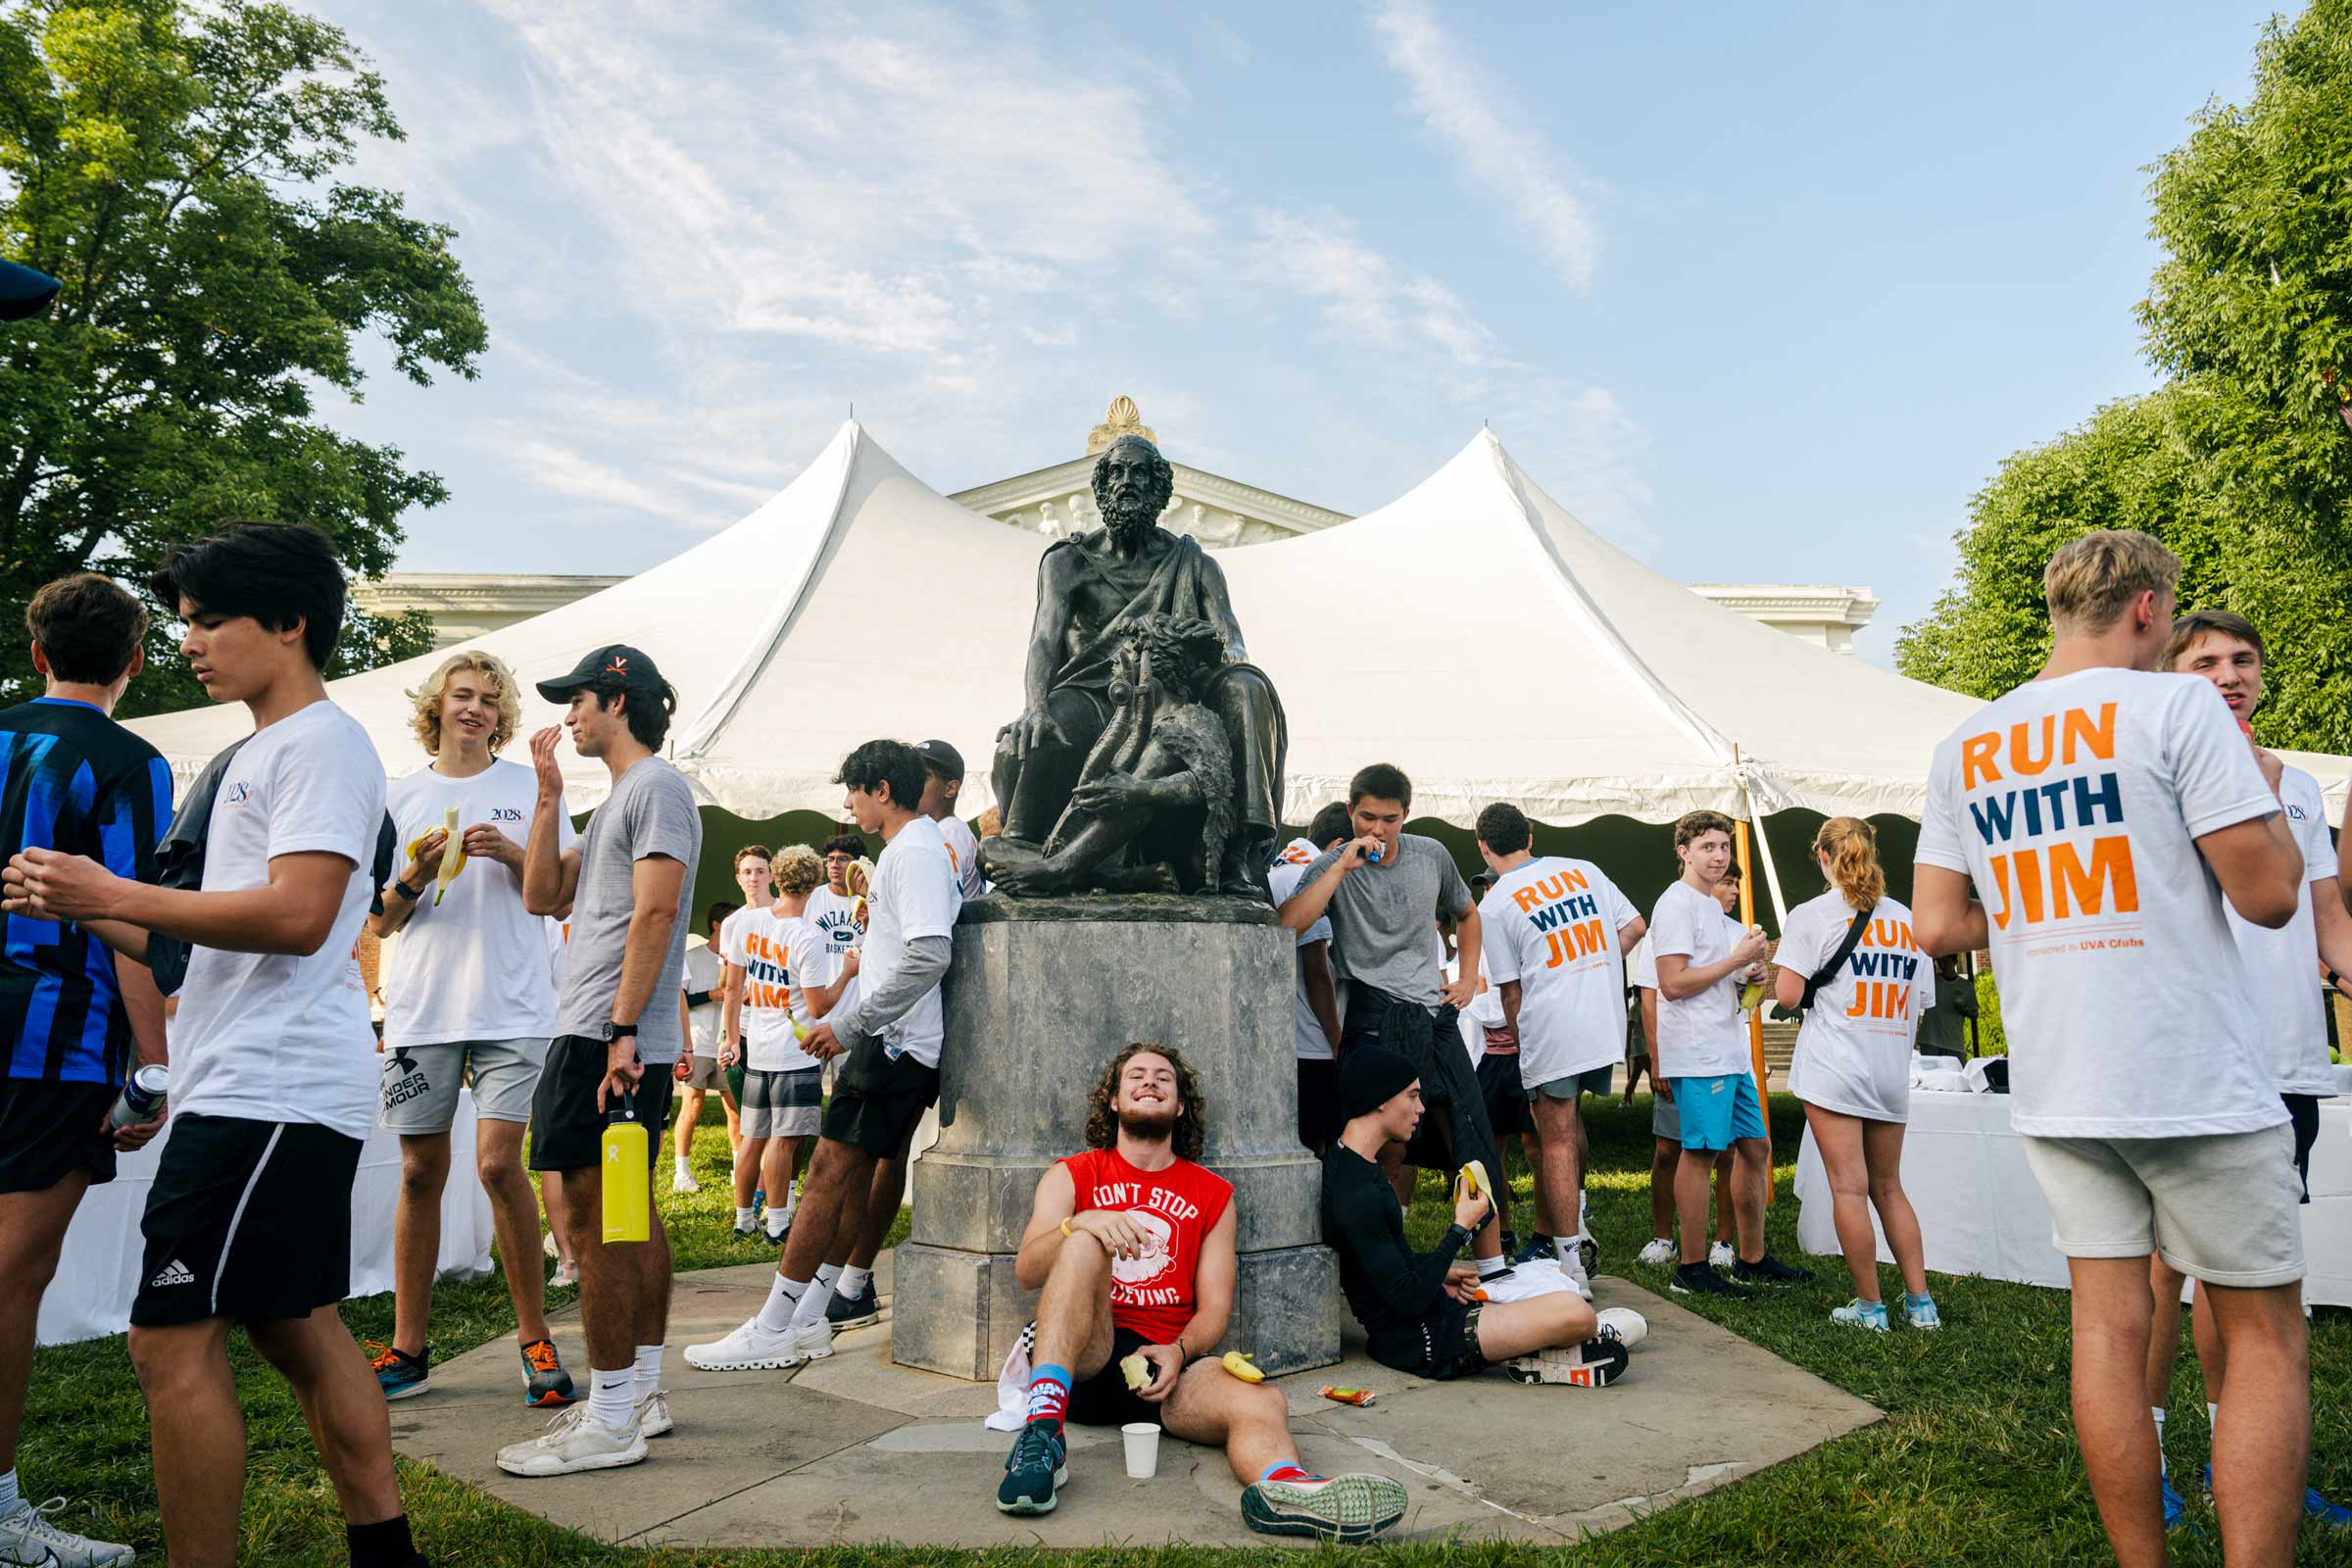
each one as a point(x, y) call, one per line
point(782, 1104)
point(420, 1082)
point(246, 1219)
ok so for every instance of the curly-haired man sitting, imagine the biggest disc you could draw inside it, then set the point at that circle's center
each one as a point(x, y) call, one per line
point(1131, 1245)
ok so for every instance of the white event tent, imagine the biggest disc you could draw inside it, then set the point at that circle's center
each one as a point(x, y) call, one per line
point(1472, 632)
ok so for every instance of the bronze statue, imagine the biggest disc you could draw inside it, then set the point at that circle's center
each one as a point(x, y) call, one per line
point(1125, 593)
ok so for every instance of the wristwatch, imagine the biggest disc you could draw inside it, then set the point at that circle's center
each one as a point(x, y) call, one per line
point(618, 1031)
point(412, 895)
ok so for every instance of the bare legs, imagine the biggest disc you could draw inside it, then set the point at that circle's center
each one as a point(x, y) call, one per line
point(833, 1198)
point(1560, 1161)
point(416, 1229)
point(32, 1232)
point(624, 1286)
point(1506, 1329)
point(1864, 1161)
point(1751, 1160)
point(1664, 1164)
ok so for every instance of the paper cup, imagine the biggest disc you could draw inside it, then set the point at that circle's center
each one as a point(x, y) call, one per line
point(1142, 1439)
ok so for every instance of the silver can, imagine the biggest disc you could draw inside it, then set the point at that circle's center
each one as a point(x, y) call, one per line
point(142, 1096)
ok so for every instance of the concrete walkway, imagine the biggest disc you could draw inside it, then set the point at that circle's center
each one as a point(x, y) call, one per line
point(853, 1450)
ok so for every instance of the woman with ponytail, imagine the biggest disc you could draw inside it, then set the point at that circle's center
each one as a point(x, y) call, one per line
point(1852, 1068)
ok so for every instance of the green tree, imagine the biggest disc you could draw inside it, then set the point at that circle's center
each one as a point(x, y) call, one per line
point(2241, 461)
point(176, 167)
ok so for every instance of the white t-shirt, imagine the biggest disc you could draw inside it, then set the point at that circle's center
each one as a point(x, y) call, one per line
point(2074, 805)
point(463, 969)
point(810, 965)
point(963, 854)
point(273, 1035)
point(1641, 969)
point(915, 894)
point(1284, 877)
point(703, 966)
point(1853, 1054)
point(760, 946)
point(835, 915)
point(1551, 925)
point(1700, 1036)
point(2283, 964)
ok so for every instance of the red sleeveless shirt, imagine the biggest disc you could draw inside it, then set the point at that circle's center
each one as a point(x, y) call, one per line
point(1152, 1295)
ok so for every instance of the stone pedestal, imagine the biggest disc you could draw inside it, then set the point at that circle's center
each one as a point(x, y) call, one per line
point(1041, 995)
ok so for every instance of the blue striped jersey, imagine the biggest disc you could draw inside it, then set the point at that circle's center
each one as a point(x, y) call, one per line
point(72, 780)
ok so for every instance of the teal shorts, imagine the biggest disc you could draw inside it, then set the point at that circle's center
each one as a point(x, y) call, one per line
point(1718, 1111)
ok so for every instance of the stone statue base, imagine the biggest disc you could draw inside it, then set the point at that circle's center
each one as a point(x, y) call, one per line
point(1040, 995)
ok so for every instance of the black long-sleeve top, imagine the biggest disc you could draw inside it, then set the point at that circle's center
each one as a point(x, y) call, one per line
point(1388, 1284)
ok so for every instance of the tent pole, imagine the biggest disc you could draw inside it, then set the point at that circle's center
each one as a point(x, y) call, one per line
point(1756, 1015)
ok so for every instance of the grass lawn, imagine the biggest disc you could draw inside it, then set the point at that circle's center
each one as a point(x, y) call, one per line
point(1975, 1463)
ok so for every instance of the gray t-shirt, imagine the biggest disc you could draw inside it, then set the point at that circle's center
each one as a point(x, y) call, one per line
point(1384, 917)
point(650, 811)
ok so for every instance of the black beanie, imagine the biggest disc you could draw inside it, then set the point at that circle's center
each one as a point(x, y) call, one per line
point(1371, 1077)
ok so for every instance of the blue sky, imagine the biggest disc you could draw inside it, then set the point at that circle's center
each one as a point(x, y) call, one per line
point(1763, 293)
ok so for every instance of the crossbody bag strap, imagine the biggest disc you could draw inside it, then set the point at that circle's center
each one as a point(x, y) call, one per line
point(1845, 950)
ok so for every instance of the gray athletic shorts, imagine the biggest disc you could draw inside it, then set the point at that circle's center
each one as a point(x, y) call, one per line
point(1592, 1081)
point(1665, 1118)
point(782, 1104)
point(705, 1073)
point(420, 1082)
point(2220, 1209)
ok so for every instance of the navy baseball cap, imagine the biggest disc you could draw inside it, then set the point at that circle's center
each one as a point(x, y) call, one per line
point(616, 663)
point(24, 292)
point(940, 757)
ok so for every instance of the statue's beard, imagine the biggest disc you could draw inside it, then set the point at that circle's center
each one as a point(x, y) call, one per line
point(1128, 519)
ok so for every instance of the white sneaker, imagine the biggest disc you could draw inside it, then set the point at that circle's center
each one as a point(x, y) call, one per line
point(653, 1415)
point(752, 1348)
point(682, 1179)
point(1572, 1265)
point(1631, 1326)
point(1721, 1255)
point(1659, 1253)
point(566, 1274)
point(27, 1537)
point(572, 1443)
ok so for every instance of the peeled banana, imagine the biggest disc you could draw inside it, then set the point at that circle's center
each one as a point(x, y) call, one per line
point(453, 852)
point(1239, 1365)
point(1136, 1370)
point(1471, 1181)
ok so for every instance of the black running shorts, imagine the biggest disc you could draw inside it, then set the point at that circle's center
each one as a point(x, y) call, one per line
point(49, 1129)
point(567, 1131)
point(246, 1219)
point(1104, 1400)
point(1499, 1086)
point(1444, 1344)
point(878, 1099)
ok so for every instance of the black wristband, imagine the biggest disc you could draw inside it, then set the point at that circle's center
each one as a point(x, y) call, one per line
point(412, 895)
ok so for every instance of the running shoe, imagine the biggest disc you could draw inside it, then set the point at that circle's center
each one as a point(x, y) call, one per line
point(1346, 1508)
point(1538, 1246)
point(27, 1537)
point(2175, 1506)
point(574, 1441)
point(1588, 1252)
point(777, 1239)
point(1721, 1255)
point(1697, 1279)
point(1860, 1314)
point(565, 1275)
point(1769, 1270)
point(854, 1312)
point(1659, 1253)
point(753, 1348)
point(652, 1415)
point(545, 1383)
point(1922, 1313)
point(1038, 1465)
point(1595, 1364)
point(753, 1232)
point(399, 1374)
point(682, 1181)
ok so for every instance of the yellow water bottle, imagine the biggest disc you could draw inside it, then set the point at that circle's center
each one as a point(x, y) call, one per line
point(629, 1175)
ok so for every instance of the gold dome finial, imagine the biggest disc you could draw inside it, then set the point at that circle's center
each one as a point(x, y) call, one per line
point(1122, 417)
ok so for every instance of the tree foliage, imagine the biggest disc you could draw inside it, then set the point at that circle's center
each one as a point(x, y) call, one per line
point(2242, 461)
point(176, 167)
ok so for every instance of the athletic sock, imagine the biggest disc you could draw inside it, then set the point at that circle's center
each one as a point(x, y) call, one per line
point(777, 1225)
point(2162, 1467)
point(384, 1544)
point(852, 1281)
point(2213, 1415)
point(1488, 1267)
point(679, 1161)
point(1291, 1471)
point(649, 1372)
point(1563, 1247)
point(10, 1499)
point(611, 1396)
point(792, 1199)
point(783, 1299)
point(819, 1296)
point(743, 1217)
point(1048, 1394)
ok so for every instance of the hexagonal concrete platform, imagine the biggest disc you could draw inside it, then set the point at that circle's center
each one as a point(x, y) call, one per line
point(854, 1449)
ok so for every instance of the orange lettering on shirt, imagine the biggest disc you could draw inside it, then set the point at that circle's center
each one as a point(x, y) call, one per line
point(2098, 738)
point(1976, 753)
point(2110, 866)
point(1999, 864)
point(1527, 899)
point(2021, 750)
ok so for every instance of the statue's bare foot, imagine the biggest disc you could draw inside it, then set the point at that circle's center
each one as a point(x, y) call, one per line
point(1031, 879)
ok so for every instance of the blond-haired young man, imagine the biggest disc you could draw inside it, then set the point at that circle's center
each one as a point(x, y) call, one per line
point(466, 992)
point(2109, 819)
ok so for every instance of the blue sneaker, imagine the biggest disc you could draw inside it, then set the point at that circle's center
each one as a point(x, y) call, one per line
point(399, 1374)
point(1860, 1314)
point(1922, 1313)
point(2174, 1506)
point(1038, 1464)
point(2318, 1508)
point(1537, 1247)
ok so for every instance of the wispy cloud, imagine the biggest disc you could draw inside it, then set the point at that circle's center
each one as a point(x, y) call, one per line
point(1319, 256)
point(1472, 113)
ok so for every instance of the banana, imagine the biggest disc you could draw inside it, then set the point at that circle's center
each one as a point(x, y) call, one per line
point(1136, 1370)
point(1471, 1181)
point(1239, 1365)
point(453, 855)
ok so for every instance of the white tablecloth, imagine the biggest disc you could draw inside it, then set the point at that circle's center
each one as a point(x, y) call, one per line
point(99, 1271)
point(1980, 1211)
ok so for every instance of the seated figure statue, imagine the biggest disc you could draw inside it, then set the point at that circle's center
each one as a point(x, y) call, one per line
point(1094, 591)
point(1152, 809)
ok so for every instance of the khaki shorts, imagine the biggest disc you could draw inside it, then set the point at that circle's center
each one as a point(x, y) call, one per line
point(421, 1083)
point(2220, 1209)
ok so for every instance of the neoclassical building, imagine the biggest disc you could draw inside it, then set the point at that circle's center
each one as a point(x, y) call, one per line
point(1222, 514)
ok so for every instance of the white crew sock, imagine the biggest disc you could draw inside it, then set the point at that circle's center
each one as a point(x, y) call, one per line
point(10, 1499)
point(777, 1225)
point(611, 1396)
point(1488, 1267)
point(649, 1371)
point(2162, 1467)
point(783, 1297)
point(819, 1296)
point(853, 1280)
point(744, 1216)
point(679, 1160)
point(2213, 1415)
point(1563, 1247)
